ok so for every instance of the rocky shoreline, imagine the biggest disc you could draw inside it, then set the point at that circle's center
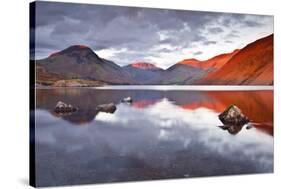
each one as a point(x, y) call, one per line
point(73, 83)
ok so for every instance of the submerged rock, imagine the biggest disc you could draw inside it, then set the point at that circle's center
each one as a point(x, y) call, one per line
point(127, 100)
point(62, 107)
point(233, 116)
point(108, 108)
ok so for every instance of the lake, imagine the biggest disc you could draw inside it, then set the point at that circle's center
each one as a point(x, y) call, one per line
point(163, 134)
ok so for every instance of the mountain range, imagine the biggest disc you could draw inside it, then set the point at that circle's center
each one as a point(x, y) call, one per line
point(251, 65)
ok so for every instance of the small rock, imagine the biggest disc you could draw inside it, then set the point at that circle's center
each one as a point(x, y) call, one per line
point(233, 116)
point(62, 107)
point(224, 127)
point(186, 175)
point(108, 108)
point(249, 127)
point(127, 100)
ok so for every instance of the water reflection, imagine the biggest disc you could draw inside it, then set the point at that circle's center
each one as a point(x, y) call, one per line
point(258, 105)
point(162, 134)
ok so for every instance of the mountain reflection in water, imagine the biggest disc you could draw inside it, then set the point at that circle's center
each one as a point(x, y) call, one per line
point(162, 134)
point(258, 105)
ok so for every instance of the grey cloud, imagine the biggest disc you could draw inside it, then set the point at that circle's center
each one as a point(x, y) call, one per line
point(59, 25)
point(99, 47)
point(242, 19)
point(115, 27)
point(215, 30)
point(70, 27)
point(165, 50)
point(209, 42)
point(166, 41)
point(232, 35)
point(124, 58)
point(197, 53)
point(225, 22)
point(250, 23)
point(228, 41)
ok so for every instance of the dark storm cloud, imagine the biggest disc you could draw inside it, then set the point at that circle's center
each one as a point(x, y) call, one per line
point(59, 25)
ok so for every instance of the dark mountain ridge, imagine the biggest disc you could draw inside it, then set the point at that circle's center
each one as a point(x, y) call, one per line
point(81, 62)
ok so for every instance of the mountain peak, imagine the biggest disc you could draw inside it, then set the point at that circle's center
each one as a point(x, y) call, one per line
point(189, 61)
point(73, 48)
point(79, 47)
point(215, 62)
point(144, 66)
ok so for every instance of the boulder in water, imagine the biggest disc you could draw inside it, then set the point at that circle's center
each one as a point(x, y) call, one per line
point(233, 116)
point(108, 108)
point(62, 107)
point(127, 100)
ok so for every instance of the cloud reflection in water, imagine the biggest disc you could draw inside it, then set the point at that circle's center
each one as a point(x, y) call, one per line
point(160, 140)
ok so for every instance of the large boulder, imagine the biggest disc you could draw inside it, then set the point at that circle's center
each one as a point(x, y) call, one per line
point(233, 116)
point(62, 107)
point(108, 108)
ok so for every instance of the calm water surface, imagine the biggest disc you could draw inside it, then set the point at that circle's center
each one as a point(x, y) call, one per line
point(161, 135)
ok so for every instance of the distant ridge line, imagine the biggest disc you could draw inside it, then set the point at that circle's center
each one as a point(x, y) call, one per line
point(187, 88)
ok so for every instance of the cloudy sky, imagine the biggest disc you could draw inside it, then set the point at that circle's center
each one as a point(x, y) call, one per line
point(128, 34)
